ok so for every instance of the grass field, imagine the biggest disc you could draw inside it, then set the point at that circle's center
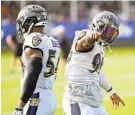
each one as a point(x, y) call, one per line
point(119, 68)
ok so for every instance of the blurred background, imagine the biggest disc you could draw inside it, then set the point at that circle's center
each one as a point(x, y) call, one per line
point(64, 18)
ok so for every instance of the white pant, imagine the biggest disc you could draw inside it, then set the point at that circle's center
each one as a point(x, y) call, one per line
point(77, 108)
point(43, 102)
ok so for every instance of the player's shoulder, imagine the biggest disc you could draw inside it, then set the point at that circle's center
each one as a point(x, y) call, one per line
point(54, 42)
point(78, 32)
point(35, 40)
point(83, 30)
point(38, 40)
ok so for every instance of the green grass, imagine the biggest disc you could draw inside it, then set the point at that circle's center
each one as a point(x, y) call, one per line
point(119, 68)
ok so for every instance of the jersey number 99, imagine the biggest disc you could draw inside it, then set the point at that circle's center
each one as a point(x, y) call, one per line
point(97, 62)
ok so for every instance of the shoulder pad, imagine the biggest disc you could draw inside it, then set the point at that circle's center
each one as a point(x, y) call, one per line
point(80, 34)
point(34, 41)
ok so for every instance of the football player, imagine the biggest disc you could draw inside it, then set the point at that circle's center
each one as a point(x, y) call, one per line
point(39, 63)
point(83, 95)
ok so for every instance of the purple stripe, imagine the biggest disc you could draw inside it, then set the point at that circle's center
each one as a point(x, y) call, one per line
point(35, 95)
point(33, 109)
point(75, 110)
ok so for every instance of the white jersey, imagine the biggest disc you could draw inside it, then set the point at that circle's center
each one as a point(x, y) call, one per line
point(82, 71)
point(89, 61)
point(50, 49)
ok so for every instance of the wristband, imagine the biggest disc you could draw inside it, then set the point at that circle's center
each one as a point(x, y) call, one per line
point(111, 91)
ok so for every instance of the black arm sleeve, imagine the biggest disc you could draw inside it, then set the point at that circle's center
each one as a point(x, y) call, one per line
point(34, 68)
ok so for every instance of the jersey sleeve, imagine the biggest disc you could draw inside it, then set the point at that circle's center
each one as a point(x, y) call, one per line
point(34, 42)
point(79, 35)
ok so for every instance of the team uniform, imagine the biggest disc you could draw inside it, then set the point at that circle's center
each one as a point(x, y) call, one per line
point(83, 95)
point(43, 100)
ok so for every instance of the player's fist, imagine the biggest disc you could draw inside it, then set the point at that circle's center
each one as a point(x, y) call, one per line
point(94, 35)
point(18, 112)
point(116, 100)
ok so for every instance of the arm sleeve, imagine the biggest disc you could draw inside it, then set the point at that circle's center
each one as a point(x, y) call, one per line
point(34, 68)
point(103, 82)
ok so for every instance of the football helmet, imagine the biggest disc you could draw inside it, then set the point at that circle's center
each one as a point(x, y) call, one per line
point(28, 17)
point(107, 23)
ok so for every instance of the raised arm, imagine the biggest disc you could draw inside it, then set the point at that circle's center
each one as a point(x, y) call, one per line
point(86, 40)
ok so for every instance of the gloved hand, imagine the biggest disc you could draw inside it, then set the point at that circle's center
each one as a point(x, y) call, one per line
point(18, 111)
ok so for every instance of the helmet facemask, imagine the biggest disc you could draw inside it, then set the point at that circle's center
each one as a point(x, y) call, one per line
point(25, 26)
point(109, 33)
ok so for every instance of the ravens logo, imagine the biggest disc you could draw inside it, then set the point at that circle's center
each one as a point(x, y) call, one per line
point(36, 41)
